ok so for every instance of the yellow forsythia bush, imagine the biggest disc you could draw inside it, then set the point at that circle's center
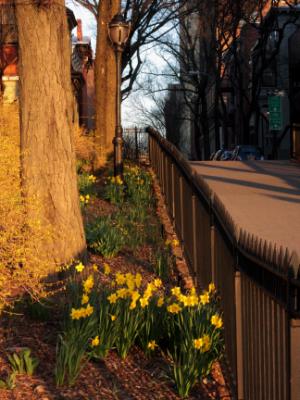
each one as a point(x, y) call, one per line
point(21, 268)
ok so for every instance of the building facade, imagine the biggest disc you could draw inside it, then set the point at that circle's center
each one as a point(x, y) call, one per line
point(239, 66)
point(81, 64)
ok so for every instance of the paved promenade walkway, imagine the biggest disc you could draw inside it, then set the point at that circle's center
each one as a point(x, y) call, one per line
point(262, 197)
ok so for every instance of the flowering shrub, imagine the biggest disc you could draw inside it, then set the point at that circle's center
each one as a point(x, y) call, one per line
point(21, 266)
point(186, 326)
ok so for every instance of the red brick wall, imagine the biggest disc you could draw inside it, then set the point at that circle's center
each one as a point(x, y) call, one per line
point(9, 56)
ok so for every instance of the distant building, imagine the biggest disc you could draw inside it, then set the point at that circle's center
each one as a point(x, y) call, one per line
point(82, 69)
point(83, 77)
point(235, 113)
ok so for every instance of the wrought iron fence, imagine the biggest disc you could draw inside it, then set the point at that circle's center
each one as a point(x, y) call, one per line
point(259, 285)
point(135, 143)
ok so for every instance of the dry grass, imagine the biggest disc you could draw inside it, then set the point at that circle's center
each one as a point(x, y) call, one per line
point(22, 269)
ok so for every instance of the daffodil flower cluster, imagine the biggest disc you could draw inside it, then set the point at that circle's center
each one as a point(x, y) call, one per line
point(203, 344)
point(115, 180)
point(130, 290)
point(84, 312)
point(84, 199)
point(173, 242)
point(92, 178)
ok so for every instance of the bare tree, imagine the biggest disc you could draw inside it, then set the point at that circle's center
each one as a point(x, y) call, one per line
point(149, 20)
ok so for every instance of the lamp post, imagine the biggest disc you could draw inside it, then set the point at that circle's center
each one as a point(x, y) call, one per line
point(118, 31)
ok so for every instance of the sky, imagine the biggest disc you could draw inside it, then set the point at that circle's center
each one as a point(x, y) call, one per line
point(130, 114)
point(88, 20)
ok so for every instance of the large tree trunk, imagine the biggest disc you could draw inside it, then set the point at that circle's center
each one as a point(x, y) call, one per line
point(48, 158)
point(105, 83)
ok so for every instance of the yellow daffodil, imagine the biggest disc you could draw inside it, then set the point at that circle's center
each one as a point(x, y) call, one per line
point(175, 242)
point(182, 298)
point(95, 267)
point(157, 283)
point(198, 343)
point(81, 312)
point(95, 342)
point(211, 288)
point(118, 180)
point(79, 267)
point(92, 178)
point(88, 284)
point(160, 302)
point(191, 301)
point(122, 293)
point(216, 320)
point(130, 281)
point(144, 302)
point(112, 298)
point(176, 291)
point(138, 280)
point(85, 299)
point(203, 344)
point(151, 345)
point(75, 313)
point(174, 308)
point(135, 295)
point(113, 317)
point(89, 310)
point(106, 269)
point(120, 278)
point(204, 298)
point(193, 291)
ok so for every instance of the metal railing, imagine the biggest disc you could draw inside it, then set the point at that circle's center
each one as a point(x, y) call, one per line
point(259, 286)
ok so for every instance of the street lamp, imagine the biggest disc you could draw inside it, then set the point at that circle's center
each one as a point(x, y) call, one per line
point(118, 31)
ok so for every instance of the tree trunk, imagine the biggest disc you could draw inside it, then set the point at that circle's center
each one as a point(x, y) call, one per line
point(105, 83)
point(48, 157)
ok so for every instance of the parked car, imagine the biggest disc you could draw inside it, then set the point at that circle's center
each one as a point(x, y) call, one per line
point(247, 152)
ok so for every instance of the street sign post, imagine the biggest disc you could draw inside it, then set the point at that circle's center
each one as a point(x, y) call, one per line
point(275, 113)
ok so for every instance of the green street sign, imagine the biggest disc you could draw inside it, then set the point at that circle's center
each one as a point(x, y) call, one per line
point(275, 113)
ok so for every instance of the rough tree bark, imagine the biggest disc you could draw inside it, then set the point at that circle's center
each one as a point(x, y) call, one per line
point(105, 83)
point(48, 158)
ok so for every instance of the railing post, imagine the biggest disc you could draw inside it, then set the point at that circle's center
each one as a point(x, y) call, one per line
point(136, 143)
point(213, 242)
point(181, 208)
point(239, 336)
point(173, 191)
point(295, 359)
point(194, 222)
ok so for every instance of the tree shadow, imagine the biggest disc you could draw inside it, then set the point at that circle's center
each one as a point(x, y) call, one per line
point(285, 172)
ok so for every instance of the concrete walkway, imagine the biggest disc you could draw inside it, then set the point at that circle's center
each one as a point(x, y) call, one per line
point(262, 197)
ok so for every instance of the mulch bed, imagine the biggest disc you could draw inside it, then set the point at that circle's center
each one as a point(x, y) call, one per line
point(136, 378)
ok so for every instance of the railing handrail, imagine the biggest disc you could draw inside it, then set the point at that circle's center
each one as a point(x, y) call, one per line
point(283, 263)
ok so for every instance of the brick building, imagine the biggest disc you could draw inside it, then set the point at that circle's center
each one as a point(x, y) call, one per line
point(82, 70)
point(229, 76)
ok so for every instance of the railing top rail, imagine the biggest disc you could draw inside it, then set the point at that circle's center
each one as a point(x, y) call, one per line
point(198, 183)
